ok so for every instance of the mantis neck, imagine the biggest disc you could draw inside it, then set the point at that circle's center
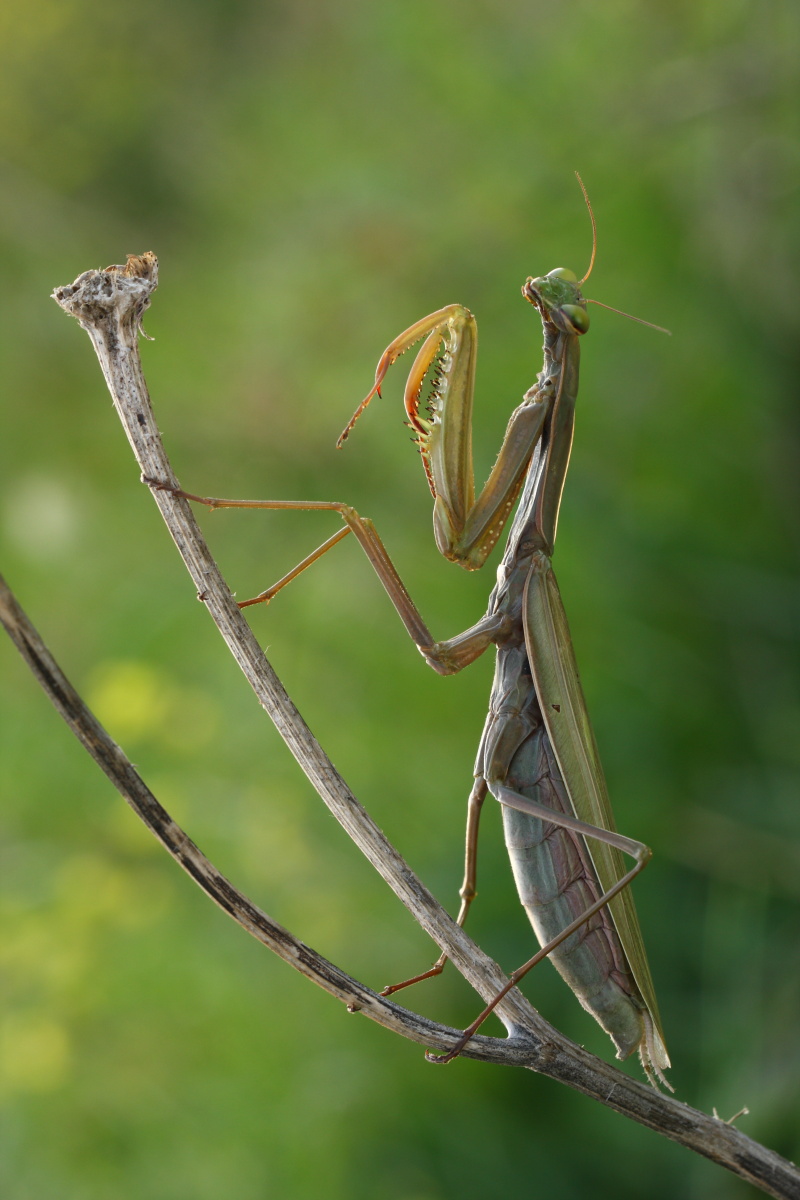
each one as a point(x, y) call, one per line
point(535, 524)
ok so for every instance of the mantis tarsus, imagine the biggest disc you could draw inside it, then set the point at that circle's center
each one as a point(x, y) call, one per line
point(537, 755)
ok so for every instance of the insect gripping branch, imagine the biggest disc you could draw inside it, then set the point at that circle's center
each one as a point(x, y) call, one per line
point(110, 305)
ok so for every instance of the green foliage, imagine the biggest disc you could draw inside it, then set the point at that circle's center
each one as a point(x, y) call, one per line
point(314, 178)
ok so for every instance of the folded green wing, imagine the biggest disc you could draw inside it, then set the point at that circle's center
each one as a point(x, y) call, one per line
point(560, 694)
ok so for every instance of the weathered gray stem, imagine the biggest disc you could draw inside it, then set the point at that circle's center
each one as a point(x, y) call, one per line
point(112, 760)
point(109, 305)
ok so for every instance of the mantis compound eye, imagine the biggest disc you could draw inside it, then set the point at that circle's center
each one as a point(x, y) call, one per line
point(575, 316)
point(563, 273)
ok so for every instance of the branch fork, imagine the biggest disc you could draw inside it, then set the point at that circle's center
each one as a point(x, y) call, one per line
point(110, 305)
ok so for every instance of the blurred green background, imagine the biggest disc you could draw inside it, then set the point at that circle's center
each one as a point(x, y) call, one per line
point(313, 178)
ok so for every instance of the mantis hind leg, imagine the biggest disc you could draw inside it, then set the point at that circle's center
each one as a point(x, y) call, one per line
point(628, 1015)
point(467, 891)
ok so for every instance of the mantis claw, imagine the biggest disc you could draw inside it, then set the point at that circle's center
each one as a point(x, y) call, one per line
point(441, 1060)
point(157, 485)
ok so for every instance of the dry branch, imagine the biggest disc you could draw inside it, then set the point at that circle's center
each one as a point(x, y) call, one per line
point(109, 305)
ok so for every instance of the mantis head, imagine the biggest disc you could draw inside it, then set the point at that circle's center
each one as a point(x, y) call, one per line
point(557, 295)
point(558, 298)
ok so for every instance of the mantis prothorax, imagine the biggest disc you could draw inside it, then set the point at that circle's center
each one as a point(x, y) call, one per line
point(537, 755)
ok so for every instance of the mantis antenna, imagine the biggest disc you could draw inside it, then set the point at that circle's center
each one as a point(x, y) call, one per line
point(640, 320)
point(594, 228)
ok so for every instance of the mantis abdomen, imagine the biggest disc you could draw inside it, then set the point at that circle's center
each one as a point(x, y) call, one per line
point(553, 870)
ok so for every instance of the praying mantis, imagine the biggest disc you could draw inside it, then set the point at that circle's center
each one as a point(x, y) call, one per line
point(537, 755)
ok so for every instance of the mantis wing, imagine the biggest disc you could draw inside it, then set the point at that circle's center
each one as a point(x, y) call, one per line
point(558, 687)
